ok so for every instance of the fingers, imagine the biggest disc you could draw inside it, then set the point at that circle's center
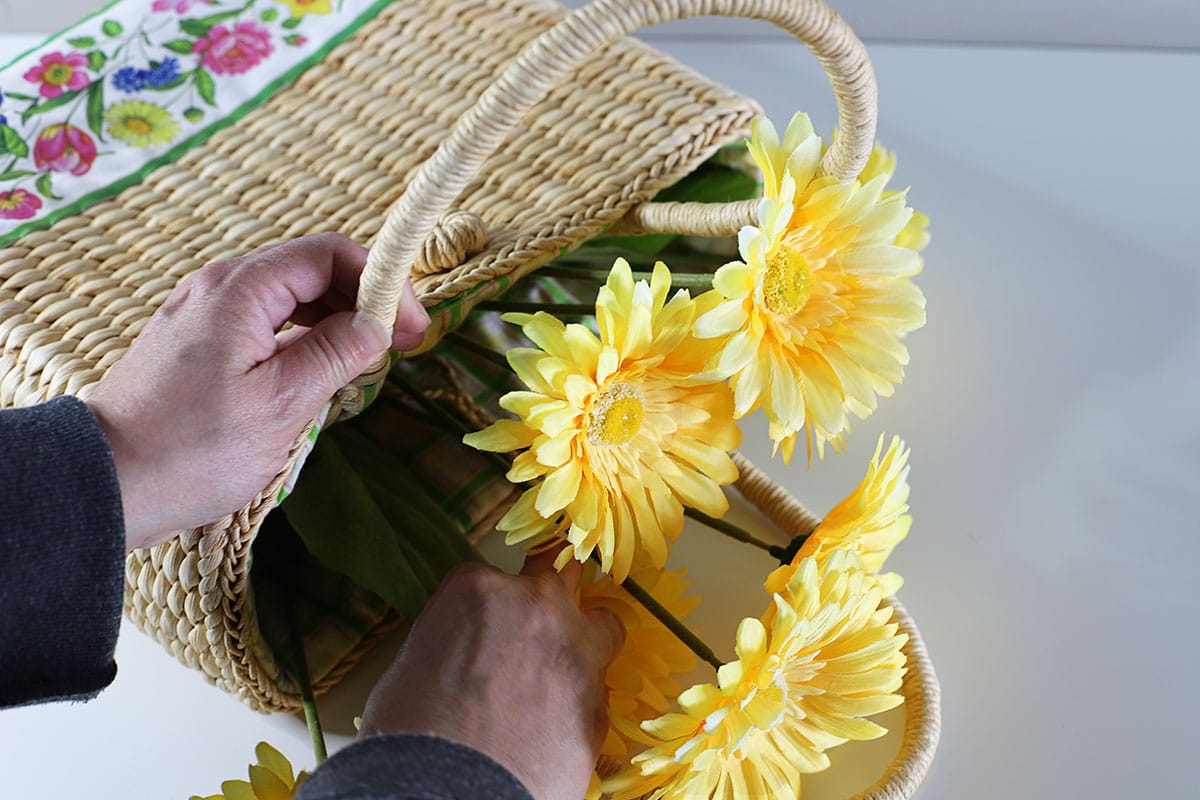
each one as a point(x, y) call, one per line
point(609, 632)
point(543, 564)
point(326, 357)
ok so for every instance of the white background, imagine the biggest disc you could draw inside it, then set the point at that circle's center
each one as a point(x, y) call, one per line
point(1050, 406)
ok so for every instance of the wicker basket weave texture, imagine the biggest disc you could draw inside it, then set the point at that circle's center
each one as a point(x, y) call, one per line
point(333, 152)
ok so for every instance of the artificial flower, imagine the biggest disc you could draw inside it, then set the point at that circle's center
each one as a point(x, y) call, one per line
point(813, 316)
point(58, 73)
point(141, 124)
point(270, 779)
point(805, 682)
point(641, 678)
point(871, 521)
point(64, 148)
point(230, 51)
point(622, 430)
point(19, 204)
point(301, 7)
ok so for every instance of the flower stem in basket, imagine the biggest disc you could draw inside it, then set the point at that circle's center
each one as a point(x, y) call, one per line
point(308, 699)
point(565, 309)
point(735, 532)
point(660, 613)
point(483, 351)
point(699, 280)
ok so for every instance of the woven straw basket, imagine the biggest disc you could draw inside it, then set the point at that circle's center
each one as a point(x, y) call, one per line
point(578, 131)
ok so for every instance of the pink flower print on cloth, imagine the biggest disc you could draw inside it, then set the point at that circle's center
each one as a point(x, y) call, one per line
point(58, 73)
point(229, 52)
point(64, 148)
point(178, 6)
point(18, 204)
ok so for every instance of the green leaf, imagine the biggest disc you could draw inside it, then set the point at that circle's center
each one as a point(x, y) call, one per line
point(269, 15)
point(400, 493)
point(112, 28)
point(206, 86)
point(82, 42)
point(195, 27)
point(12, 143)
point(50, 105)
point(45, 187)
point(19, 96)
point(166, 87)
point(181, 46)
point(294, 22)
point(96, 60)
point(95, 109)
point(12, 175)
point(341, 525)
point(193, 114)
point(201, 26)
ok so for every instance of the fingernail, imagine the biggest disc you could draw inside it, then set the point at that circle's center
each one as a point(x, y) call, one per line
point(370, 331)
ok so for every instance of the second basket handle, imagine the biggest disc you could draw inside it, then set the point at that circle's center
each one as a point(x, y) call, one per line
point(560, 51)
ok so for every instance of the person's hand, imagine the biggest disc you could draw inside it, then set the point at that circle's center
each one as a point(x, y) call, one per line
point(202, 410)
point(510, 666)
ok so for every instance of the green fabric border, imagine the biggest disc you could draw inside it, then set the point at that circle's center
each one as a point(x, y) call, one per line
point(197, 138)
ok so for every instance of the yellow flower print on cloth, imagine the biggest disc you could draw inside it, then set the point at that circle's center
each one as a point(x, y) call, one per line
point(620, 430)
point(301, 7)
point(814, 315)
point(270, 779)
point(141, 124)
point(802, 683)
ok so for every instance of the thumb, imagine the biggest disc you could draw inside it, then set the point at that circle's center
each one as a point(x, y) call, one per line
point(332, 353)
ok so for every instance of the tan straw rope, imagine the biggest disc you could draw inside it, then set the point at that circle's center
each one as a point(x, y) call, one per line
point(922, 694)
point(560, 51)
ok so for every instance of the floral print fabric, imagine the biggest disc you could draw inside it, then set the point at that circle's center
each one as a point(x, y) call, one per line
point(135, 85)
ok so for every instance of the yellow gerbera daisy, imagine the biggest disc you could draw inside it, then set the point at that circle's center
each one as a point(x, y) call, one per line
point(270, 779)
point(830, 658)
point(815, 313)
point(623, 429)
point(141, 124)
point(641, 678)
point(871, 521)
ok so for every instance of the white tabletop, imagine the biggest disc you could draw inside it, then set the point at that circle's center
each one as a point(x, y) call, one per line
point(1050, 406)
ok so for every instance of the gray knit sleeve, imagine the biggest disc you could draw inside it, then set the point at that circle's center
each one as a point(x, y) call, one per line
point(411, 767)
point(62, 549)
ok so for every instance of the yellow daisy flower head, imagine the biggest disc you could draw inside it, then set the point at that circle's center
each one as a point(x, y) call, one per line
point(814, 315)
point(623, 429)
point(830, 657)
point(141, 124)
point(871, 521)
point(641, 678)
point(270, 779)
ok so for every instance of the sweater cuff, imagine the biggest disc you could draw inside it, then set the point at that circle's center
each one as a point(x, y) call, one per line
point(410, 767)
point(62, 554)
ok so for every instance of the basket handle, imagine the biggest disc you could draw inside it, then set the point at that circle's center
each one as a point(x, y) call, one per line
point(561, 50)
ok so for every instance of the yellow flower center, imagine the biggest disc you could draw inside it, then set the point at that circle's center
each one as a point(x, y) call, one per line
point(787, 282)
point(138, 125)
point(58, 74)
point(616, 415)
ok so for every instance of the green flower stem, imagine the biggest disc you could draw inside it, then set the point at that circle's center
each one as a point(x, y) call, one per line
point(698, 280)
point(481, 350)
point(681, 631)
point(729, 529)
point(571, 309)
point(440, 413)
point(308, 699)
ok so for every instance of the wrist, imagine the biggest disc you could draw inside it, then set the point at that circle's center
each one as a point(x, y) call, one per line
point(140, 528)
